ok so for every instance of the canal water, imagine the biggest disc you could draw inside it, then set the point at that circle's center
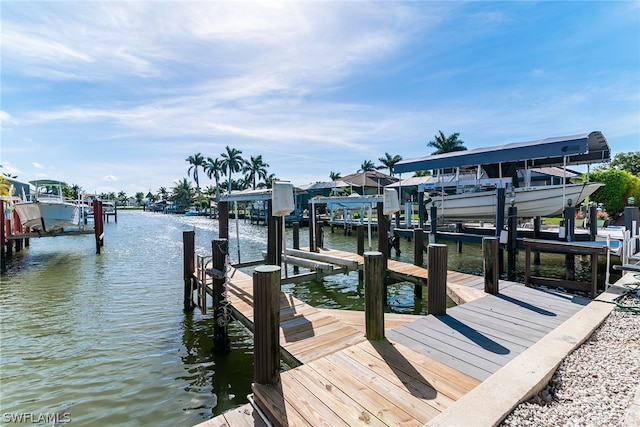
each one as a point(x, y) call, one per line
point(104, 337)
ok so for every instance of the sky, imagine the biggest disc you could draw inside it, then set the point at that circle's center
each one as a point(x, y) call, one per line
point(115, 95)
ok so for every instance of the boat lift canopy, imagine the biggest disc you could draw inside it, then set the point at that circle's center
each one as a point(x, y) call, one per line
point(558, 151)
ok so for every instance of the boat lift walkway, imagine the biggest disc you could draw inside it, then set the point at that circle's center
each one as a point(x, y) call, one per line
point(471, 366)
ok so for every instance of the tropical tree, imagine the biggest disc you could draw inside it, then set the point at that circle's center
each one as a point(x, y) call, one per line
point(196, 161)
point(268, 181)
point(619, 186)
point(163, 193)
point(213, 168)
point(71, 191)
point(629, 162)
point(122, 198)
point(255, 167)
point(182, 193)
point(139, 197)
point(5, 187)
point(447, 144)
point(389, 161)
point(334, 176)
point(367, 166)
point(231, 162)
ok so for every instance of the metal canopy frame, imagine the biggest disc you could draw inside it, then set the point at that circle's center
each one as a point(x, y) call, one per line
point(557, 151)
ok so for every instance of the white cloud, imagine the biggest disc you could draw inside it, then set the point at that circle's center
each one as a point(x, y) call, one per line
point(37, 165)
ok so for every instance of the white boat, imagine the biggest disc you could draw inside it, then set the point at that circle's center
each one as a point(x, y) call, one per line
point(543, 200)
point(47, 210)
point(465, 183)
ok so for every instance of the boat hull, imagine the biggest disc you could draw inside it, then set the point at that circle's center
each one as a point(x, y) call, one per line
point(48, 216)
point(531, 202)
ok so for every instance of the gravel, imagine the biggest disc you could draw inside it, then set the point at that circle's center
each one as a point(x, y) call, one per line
point(596, 384)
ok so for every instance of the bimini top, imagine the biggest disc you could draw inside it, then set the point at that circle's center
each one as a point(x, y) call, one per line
point(577, 149)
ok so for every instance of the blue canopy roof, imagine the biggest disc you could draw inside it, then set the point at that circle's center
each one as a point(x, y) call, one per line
point(578, 150)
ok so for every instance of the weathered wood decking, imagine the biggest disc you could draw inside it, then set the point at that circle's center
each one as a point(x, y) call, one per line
point(421, 367)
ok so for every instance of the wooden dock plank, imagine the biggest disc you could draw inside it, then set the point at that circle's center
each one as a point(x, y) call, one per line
point(366, 397)
point(424, 365)
point(400, 397)
point(443, 378)
point(335, 399)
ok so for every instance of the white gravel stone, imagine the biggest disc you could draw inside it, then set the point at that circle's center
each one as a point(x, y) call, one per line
point(594, 385)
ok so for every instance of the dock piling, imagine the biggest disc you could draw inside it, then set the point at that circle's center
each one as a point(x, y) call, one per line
point(374, 298)
point(418, 256)
point(433, 235)
point(491, 268)
point(98, 224)
point(219, 251)
point(188, 248)
point(266, 294)
point(437, 279)
point(512, 242)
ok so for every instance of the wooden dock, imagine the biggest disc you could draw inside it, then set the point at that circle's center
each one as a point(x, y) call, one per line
point(423, 366)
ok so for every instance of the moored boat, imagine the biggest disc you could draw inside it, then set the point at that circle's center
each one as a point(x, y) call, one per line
point(47, 210)
point(543, 200)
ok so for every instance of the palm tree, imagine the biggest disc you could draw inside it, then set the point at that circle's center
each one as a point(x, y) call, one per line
point(182, 193)
point(231, 162)
point(334, 176)
point(122, 198)
point(139, 196)
point(444, 144)
point(268, 181)
point(389, 161)
point(212, 168)
point(255, 167)
point(367, 166)
point(163, 193)
point(196, 161)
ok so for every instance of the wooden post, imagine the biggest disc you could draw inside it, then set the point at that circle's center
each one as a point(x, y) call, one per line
point(593, 221)
point(272, 237)
point(266, 321)
point(6, 227)
point(537, 225)
point(437, 279)
point(421, 210)
point(632, 223)
point(98, 227)
point(219, 251)
point(223, 220)
point(569, 214)
point(360, 247)
point(459, 230)
point(312, 225)
point(296, 235)
point(188, 249)
point(319, 235)
point(418, 256)
point(512, 242)
point(500, 196)
point(383, 233)
point(433, 236)
point(2, 231)
point(374, 298)
point(490, 262)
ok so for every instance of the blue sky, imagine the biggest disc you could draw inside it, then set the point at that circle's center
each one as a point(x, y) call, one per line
point(114, 96)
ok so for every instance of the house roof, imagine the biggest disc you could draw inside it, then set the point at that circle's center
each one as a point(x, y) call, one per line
point(369, 179)
point(576, 149)
point(324, 185)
